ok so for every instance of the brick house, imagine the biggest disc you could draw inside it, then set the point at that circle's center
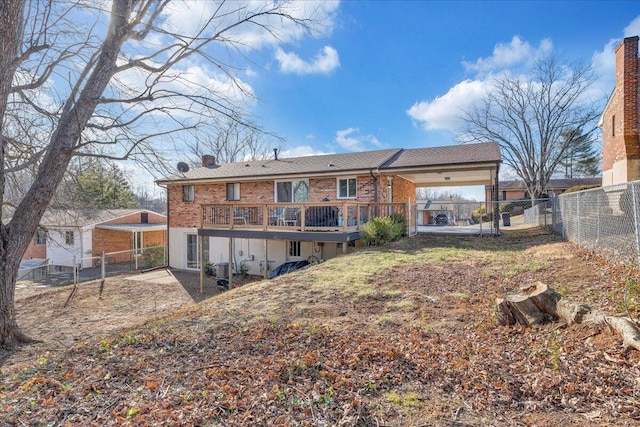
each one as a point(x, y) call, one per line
point(65, 235)
point(259, 214)
point(620, 119)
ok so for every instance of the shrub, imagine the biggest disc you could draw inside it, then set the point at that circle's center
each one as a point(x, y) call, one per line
point(480, 215)
point(401, 221)
point(580, 188)
point(507, 207)
point(154, 257)
point(209, 269)
point(380, 231)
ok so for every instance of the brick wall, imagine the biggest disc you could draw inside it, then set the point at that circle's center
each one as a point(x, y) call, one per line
point(183, 214)
point(403, 190)
point(112, 241)
point(35, 251)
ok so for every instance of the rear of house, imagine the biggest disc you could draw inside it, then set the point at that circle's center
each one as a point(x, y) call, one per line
point(257, 215)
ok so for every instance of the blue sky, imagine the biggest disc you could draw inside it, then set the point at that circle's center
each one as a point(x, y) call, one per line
point(396, 74)
point(394, 55)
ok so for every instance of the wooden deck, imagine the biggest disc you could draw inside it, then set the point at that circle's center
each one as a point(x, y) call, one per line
point(327, 217)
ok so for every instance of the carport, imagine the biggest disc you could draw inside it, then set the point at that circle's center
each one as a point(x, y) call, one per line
point(450, 166)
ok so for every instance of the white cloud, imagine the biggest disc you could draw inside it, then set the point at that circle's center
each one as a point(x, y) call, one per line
point(302, 151)
point(633, 29)
point(192, 79)
point(188, 16)
point(444, 111)
point(604, 61)
point(325, 62)
point(351, 139)
point(509, 55)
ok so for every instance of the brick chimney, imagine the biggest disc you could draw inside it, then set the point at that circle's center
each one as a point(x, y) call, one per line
point(208, 160)
point(627, 81)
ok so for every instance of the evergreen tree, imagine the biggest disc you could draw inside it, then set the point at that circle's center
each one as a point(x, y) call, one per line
point(98, 185)
point(582, 159)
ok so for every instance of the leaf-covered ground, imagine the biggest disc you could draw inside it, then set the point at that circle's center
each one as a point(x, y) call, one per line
point(398, 336)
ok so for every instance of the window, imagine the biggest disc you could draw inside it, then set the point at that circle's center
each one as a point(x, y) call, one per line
point(292, 191)
point(188, 193)
point(144, 218)
point(294, 248)
point(613, 125)
point(40, 238)
point(69, 238)
point(347, 188)
point(233, 191)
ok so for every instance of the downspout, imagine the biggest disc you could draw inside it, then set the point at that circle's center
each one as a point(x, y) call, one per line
point(375, 184)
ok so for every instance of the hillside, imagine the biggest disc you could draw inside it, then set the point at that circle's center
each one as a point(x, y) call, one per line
point(403, 335)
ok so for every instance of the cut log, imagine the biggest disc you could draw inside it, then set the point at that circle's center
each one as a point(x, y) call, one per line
point(539, 304)
point(552, 303)
point(520, 309)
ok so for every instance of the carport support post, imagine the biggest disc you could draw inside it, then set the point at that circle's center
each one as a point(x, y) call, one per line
point(201, 256)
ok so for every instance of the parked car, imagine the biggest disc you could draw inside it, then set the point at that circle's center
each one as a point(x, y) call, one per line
point(288, 267)
point(442, 219)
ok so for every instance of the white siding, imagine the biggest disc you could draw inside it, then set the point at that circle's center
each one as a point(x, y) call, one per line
point(58, 252)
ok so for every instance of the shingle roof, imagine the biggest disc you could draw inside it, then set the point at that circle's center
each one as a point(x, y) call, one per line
point(347, 162)
point(82, 218)
point(554, 184)
point(289, 166)
point(451, 154)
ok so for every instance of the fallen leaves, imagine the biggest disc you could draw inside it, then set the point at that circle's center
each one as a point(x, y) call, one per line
point(443, 363)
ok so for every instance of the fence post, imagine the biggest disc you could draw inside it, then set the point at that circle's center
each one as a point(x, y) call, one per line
point(75, 270)
point(102, 275)
point(579, 240)
point(103, 270)
point(636, 218)
point(597, 218)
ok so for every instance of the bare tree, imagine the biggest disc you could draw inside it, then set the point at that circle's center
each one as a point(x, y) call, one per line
point(536, 120)
point(114, 90)
point(232, 141)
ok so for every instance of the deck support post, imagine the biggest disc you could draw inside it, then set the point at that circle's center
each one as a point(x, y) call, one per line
point(201, 257)
point(230, 262)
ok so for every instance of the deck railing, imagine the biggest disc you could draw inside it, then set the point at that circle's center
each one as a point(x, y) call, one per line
point(326, 216)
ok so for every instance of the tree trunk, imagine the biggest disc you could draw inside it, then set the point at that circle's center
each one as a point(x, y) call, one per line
point(15, 236)
point(539, 304)
point(10, 333)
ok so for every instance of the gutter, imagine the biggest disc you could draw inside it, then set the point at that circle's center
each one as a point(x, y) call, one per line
point(376, 182)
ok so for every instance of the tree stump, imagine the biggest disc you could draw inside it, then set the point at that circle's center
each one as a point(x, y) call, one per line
point(539, 304)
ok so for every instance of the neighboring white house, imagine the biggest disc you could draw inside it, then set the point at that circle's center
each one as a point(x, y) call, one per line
point(80, 236)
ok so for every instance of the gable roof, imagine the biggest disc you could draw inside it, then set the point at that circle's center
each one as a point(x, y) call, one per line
point(344, 163)
point(85, 218)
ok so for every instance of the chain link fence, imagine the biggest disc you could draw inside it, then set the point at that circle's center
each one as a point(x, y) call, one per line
point(604, 220)
point(108, 264)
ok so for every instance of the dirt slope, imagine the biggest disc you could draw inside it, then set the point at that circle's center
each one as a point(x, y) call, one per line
point(398, 336)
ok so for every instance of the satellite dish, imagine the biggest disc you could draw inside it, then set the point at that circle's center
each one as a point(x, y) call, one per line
point(183, 167)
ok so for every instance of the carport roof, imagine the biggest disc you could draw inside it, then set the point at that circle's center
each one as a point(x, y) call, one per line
point(131, 228)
